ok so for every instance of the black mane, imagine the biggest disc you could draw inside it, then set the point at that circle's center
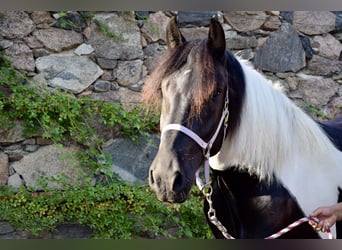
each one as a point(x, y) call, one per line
point(237, 89)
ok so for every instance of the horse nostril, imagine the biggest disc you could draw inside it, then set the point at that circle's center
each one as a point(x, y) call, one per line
point(151, 177)
point(178, 183)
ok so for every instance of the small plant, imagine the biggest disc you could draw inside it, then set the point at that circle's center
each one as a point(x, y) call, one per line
point(314, 110)
point(68, 23)
point(62, 14)
point(105, 29)
point(87, 15)
point(140, 17)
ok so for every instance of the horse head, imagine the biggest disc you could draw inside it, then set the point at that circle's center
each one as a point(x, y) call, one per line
point(191, 86)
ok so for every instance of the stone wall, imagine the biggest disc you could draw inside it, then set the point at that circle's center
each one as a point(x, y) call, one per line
point(108, 55)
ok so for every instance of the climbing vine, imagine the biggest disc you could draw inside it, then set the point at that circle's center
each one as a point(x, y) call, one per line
point(111, 208)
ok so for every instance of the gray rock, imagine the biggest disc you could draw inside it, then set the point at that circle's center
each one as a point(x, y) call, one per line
point(316, 92)
point(235, 41)
point(195, 18)
point(43, 141)
point(4, 44)
point(71, 231)
point(21, 56)
point(125, 175)
point(136, 87)
point(134, 158)
point(106, 63)
point(122, 39)
point(31, 148)
point(244, 21)
point(286, 16)
point(3, 169)
point(283, 51)
point(107, 75)
point(57, 40)
point(30, 141)
point(114, 86)
point(15, 181)
point(128, 72)
point(307, 46)
point(327, 46)
point(122, 95)
point(40, 53)
point(69, 72)
point(338, 35)
point(12, 133)
point(102, 86)
point(272, 23)
point(152, 53)
point(84, 49)
point(334, 108)
point(338, 25)
point(15, 24)
point(292, 82)
point(154, 29)
point(50, 161)
point(195, 33)
point(42, 18)
point(322, 66)
point(314, 22)
point(246, 54)
point(32, 42)
point(339, 91)
point(5, 228)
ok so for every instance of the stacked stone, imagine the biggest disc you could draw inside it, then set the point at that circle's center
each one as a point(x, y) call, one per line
point(108, 56)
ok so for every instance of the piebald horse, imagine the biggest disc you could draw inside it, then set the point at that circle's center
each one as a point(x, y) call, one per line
point(271, 163)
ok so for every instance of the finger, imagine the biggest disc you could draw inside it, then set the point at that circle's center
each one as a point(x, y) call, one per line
point(316, 227)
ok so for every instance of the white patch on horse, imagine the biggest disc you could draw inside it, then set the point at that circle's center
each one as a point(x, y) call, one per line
point(277, 137)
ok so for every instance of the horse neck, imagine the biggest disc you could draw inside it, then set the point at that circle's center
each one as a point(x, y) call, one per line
point(273, 133)
point(274, 137)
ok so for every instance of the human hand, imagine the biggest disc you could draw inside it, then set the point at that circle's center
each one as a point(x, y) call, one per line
point(322, 219)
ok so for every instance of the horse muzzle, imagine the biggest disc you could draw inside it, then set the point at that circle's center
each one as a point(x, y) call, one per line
point(169, 186)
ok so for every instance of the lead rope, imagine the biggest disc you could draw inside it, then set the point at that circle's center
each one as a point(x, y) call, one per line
point(207, 191)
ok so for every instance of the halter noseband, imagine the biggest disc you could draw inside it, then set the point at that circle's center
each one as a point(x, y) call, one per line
point(206, 146)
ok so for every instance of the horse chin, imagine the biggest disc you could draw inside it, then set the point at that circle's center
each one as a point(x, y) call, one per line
point(173, 197)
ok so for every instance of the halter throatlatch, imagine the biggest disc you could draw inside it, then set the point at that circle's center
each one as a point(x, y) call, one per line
point(206, 146)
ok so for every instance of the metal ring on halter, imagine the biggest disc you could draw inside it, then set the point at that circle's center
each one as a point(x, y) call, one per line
point(206, 151)
point(207, 189)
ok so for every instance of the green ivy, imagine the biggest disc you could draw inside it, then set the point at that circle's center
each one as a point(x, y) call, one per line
point(114, 210)
point(61, 117)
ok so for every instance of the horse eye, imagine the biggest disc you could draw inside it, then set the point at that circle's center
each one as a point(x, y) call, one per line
point(217, 92)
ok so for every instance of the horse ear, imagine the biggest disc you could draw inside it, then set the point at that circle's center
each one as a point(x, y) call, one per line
point(216, 38)
point(174, 37)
